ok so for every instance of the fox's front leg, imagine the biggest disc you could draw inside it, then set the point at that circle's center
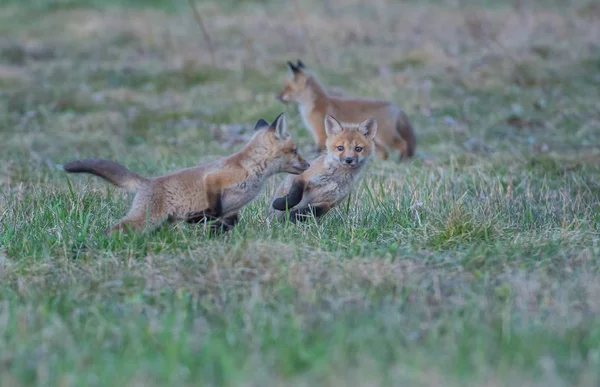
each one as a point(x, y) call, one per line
point(293, 197)
point(211, 213)
point(214, 200)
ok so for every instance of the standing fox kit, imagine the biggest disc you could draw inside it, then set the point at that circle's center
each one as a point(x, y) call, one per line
point(330, 177)
point(304, 89)
point(213, 191)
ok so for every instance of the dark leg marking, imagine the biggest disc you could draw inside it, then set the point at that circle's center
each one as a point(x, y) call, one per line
point(293, 197)
point(211, 213)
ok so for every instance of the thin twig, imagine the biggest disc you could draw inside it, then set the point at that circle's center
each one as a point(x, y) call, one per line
point(207, 38)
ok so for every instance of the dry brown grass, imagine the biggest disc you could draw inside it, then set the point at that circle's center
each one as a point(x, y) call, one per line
point(474, 264)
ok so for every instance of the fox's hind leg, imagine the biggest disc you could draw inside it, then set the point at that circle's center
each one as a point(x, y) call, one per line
point(127, 223)
point(144, 213)
point(402, 146)
point(381, 150)
point(137, 221)
point(406, 141)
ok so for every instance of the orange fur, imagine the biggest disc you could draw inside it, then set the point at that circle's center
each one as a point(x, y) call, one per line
point(330, 177)
point(213, 191)
point(304, 89)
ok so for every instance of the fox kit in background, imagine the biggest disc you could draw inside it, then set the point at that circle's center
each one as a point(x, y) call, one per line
point(304, 89)
point(213, 191)
point(330, 177)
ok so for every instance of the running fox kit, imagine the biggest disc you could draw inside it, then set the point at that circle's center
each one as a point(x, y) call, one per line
point(213, 191)
point(330, 177)
point(304, 89)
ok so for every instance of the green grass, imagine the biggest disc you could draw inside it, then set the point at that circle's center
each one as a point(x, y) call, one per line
point(475, 264)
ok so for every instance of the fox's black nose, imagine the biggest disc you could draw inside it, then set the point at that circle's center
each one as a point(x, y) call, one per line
point(349, 160)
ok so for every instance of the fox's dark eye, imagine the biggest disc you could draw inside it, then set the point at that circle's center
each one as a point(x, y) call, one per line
point(358, 149)
point(340, 148)
point(295, 151)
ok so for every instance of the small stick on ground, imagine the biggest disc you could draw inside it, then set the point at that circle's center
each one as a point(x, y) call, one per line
point(207, 38)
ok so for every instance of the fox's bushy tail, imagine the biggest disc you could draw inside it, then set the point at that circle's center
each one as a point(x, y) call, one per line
point(109, 170)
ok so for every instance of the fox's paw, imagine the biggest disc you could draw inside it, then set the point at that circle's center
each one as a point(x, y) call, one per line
point(293, 197)
point(280, 204)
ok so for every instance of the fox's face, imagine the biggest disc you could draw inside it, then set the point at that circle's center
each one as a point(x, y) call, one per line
point(291, 161)
point(277, 147)
point(296, 85)
point(349, 144)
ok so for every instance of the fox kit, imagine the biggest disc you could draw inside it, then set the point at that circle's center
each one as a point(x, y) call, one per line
point(214, 191)
point(304, 89)
point(330, 177)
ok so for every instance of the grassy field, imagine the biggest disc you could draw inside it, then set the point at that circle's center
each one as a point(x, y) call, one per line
point(475, 264)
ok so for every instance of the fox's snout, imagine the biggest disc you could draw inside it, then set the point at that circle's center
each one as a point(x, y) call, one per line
point(304, 165)
point(297, 166)
point(350, 161)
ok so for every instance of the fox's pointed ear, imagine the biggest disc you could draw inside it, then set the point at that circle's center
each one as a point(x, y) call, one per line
point(332, 126)
point(293, 67)
point(260, 124)
point(299, 64)
point(368, 128)
point(279, 126)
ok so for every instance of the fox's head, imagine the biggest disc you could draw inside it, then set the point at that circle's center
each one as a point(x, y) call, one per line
point(350, 144)
point(296, 87)
point(274, 146)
